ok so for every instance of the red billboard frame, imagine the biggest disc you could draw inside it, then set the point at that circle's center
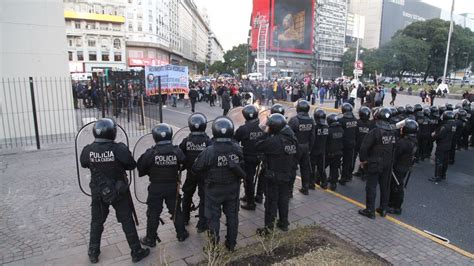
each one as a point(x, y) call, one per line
point(260, 9)
point(272, 26)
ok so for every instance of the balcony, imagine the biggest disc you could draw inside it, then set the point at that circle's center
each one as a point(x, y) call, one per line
point(70, 14)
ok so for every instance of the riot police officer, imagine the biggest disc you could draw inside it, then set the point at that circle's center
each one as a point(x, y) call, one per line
point(405, 152)
point(423, 135)
point(434, 121)
point(161, 163)
point(334, 148)
point(349, 124)
point(277, 109)
point(303, 127)
point(192, 146)
point(460, 122)
point(247, 135)
point(376, 155)
point(444, 137)
point(318, 151)
point(410, 112)
point(401, 113)
point(279, 147)
point(463, 139)
point(221, 167)
point(364, 125)
point(108, 162)
point(449, 107)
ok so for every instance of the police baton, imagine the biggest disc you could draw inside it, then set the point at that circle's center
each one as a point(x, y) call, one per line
point(395, 178)
point(407, 177)
point(178, 196)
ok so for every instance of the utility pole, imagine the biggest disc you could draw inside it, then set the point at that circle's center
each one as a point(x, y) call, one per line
point(449, 42)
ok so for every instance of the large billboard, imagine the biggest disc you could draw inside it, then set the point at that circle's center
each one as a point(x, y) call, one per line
point(290, 24)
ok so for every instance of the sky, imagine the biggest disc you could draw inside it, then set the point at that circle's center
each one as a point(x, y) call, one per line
point(230, 19)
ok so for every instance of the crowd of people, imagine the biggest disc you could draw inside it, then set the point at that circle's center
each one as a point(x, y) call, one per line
point(266, 156)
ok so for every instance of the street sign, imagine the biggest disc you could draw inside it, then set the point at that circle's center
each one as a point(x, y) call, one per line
point(357, 71)
point(359, 65)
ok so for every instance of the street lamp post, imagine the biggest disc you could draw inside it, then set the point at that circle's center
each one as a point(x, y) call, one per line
point(449, 42)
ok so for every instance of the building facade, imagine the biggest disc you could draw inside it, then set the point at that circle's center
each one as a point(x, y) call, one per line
point(95, 35)
point(131, 34)
point(330, 32)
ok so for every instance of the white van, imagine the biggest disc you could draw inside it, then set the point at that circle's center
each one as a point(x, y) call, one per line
point(254, 76)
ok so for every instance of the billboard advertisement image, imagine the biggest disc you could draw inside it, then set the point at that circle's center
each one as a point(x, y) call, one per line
point(292, 25)
point(260, 15)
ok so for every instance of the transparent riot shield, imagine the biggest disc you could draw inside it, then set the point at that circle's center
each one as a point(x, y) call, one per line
point(262, 117)
point(290, 112)
point(84, 137)
point(235, 114)
point(140, 184)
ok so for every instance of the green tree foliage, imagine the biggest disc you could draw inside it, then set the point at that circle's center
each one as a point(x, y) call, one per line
point(418, 48)
point(236, 58)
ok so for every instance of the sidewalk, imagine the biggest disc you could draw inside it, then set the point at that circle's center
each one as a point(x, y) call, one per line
point(44, 219)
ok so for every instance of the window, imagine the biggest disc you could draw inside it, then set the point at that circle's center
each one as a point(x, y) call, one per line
point(90, 26)
point(118, 57)
point(130, 1)
point(105, 56)
point(117, 44)
point(91, 43)
point(79, 42)
point(150, 28)
point(70, 55)
point(130, 27)
point(77, 25)
point(139, 26)
point(103, 26)
point(69, 42)
point(92, 56)
point(139, 15)
point(80, 56)
point(104, 43)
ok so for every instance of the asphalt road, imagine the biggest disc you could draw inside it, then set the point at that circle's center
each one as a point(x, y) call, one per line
point(446, 209)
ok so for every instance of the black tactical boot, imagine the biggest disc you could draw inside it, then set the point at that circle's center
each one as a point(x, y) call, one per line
point(324, 185)
point(148, 241)
point(312, 186)
point(381, 211)
point(230, 247)
point(395, 211)
point(304, 191)
point(183, 236)
point(367, 213)
point(283, 227)
point(139, 254)
point(434, 179)
point(333, 186)
point(94, 256)
point(249, 206)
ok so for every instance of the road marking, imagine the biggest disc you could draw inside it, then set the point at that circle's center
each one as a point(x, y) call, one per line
point(407, 226)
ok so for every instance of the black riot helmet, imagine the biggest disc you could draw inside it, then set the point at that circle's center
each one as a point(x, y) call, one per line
point(105, 129)
point(302, 106)
point(410, 128)
point(449, 107)
point(275, 123)
point(277, 109)
point(434, 110)
point(426, 111)
point(346, 108)
point(383, 114)
point(462, 115)
point(401, 110)
point(250, 112)
point(197, 122)
point(320, 116)
point(419, 115)
point(409, 109)
point(393, 111)
point(448, 115)
point(332, 119)
point(465, 103)
point(162, 132)
point(442, 109)
point(418, 107)
point(222, 127)
point(458, 106)
point(364, 113)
